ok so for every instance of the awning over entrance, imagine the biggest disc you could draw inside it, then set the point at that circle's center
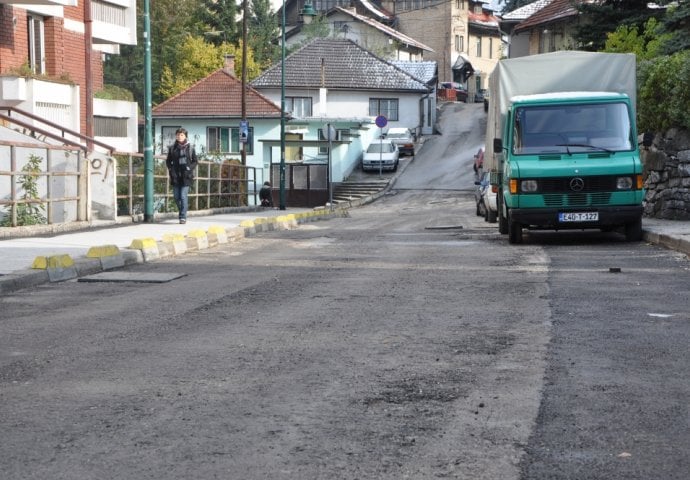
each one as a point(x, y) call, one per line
point(462, 69)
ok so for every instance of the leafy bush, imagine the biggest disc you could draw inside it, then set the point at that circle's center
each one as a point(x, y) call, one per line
point(31, 211)
point(113, 92)
point(664, 93)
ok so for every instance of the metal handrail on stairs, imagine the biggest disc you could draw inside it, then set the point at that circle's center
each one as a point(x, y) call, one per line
point(87, 141)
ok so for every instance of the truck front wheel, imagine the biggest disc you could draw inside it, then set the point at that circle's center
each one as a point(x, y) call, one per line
point(633, 231)
point(502, 220)
point(514, 232)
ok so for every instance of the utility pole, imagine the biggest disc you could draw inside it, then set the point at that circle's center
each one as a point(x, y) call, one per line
point(282, 112)
point(244, 79)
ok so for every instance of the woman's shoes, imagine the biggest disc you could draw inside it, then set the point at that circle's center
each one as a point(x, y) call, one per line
point(183, 221)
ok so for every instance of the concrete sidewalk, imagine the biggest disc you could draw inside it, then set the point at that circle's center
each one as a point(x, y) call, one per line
point(33, 260)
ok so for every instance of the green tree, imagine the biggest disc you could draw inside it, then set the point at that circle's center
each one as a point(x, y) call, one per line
point(196, 60)
point(676, 24)
point(626, 39)
point(219, 18)
point(170, 24)
point(262, 31)
point(597, 19)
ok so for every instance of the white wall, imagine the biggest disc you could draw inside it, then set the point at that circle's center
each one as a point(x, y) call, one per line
point(119, 109)
point(344, 104)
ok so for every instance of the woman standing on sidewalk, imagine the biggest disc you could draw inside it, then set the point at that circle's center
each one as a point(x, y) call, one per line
point(181, 162)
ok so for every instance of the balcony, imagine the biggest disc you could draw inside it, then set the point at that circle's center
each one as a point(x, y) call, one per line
point(51, 3)
point(114, 22)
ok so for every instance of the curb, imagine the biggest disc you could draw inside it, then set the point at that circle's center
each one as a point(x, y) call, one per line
point(58, 268)
point(679, 243)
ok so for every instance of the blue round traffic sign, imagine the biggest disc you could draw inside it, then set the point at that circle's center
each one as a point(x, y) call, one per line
point(381, 121)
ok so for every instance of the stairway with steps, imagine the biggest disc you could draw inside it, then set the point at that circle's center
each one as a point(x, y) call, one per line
point(349, 191)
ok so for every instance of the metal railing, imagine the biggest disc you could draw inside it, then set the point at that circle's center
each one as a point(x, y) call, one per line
point(216, 185)
point(61, 182)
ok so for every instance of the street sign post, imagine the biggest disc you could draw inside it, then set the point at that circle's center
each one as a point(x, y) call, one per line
point(381, 121)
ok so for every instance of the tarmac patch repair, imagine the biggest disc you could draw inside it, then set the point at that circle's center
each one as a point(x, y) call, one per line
point(141, 277)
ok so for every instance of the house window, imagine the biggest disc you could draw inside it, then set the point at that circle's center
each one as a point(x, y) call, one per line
point(479, 46)
point(491, 47)
point(460, 4)
point(298, 106)
point(388, 107)
point(227, 140)
point(339, 135)
point(459, 43)
point(109, 126)
point(37, 60)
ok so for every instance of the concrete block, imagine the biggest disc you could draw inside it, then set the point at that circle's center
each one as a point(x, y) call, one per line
point(176, 242)
point(249, 227)
point(197, 240)
point(59, 267)
point(109, 256)
point(148, 248)
point(217, 234)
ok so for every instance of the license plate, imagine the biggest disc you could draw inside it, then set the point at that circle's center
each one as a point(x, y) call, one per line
point(579, 217)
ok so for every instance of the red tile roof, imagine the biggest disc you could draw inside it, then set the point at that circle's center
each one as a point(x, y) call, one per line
point(556, 10)
point(217, 95)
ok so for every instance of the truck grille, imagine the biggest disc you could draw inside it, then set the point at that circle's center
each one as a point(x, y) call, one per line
point(588, 184)
point(576, 199)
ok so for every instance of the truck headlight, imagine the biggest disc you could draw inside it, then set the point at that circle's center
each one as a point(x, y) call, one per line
point(529, 186)
point(624, 183)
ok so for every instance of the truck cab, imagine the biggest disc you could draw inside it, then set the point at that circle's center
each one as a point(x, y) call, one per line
point(570, 160)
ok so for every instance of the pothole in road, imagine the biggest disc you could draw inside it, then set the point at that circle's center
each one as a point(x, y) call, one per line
point(445, 387)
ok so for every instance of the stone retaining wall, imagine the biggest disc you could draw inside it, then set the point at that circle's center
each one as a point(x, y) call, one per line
point(667, 175)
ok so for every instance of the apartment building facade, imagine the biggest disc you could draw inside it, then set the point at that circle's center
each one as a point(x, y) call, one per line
point(51, 64)
point(464, 35)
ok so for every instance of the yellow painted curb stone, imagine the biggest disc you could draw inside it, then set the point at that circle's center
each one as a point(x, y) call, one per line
point(103, 251)
point(198, 233)
point(143, 243)
point(52, 261)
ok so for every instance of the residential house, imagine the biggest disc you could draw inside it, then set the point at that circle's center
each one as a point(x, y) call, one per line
point(518, 42)
point(549, 29)
point(427, 73)
point(464, 35)
point(336, 81)
point(461, 36)
point(211, 112)
point(51, 65)
point(379, 38)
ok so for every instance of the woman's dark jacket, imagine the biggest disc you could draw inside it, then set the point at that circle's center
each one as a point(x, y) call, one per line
point(181, 162)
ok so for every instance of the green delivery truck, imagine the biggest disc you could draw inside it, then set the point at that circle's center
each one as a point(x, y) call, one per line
point(562, 143)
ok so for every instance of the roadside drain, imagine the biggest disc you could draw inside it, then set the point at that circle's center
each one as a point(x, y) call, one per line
point(141, 277)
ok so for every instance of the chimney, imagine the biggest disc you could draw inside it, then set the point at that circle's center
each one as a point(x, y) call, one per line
point(229, 66)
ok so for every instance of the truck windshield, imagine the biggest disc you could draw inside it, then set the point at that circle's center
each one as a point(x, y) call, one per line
point(571, 129)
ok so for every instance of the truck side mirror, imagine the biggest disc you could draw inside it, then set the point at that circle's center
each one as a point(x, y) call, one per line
point(647, 139)
point(498, 145)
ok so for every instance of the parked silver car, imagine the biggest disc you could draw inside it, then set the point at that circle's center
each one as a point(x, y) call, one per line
point(381, 155)
point(403, 138)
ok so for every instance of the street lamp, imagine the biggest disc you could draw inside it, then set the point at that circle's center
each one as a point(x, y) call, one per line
point(148, 136)
point(307, 13)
